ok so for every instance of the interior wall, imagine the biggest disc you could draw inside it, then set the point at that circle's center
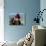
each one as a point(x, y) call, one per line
point(29, 8)
point(43, 6)
point(1, 21)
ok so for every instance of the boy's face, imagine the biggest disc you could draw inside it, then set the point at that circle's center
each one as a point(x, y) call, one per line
point(16, 19)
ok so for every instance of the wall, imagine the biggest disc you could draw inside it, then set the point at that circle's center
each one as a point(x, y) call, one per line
point(43, 6)
point(29, 8)
point(1, 21)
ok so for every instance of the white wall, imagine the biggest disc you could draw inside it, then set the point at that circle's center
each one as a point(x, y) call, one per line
point(1, 21)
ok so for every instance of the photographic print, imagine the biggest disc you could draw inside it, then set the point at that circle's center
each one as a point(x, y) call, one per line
point(17, 19)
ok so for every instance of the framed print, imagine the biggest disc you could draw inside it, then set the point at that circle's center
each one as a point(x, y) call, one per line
point(17, 19)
